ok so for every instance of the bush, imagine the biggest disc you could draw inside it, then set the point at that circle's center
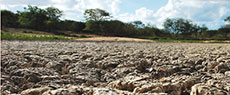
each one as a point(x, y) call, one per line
point(8, 19)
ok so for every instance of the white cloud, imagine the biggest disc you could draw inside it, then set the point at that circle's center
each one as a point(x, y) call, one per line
point(142, 14)
point(3, 7)
point(64, 5)
point(108, 5)
point(115, 6)
point(15, 5)
point(25, 2)
point(209, 12)
point(74, 9)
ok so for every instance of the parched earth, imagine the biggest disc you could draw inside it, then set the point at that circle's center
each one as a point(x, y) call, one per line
point(113, 39)
point(114, 68)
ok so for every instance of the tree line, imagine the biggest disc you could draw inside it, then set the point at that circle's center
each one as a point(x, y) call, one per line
point(39, 19)
point(99, 22)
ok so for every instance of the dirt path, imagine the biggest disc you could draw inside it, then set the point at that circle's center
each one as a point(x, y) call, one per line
point(115, 39)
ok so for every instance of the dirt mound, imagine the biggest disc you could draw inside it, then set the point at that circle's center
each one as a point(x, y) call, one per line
point(115, 68)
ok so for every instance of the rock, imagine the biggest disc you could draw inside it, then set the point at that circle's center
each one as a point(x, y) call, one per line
point(72, 90)
point(109, 65)
point(109, 91)
point(84, 57)
point(122, 85)
point(50, 77)
point(9, 64)
point(222, 67)
point(105, 91)
point(14, 89)
point(142, 66)
point(199, 61)
point(65, 58)
point(19, 72)
point(60, 67)
point(227, 73)
point(198, 67)
point(27, 74)
point(156, 94)
point(80, 90)
point(201, 89)
point(212, 65)
point(148, 88)
point(35, 91)
point(53, 65)
point(60, 91)
point(18, 80)
point(127, 83)
point(221, 59)
point(33, 77)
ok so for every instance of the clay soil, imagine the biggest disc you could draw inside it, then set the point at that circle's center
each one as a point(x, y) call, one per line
point(114, 68)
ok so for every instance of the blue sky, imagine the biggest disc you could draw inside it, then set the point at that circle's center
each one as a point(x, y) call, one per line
point(209, 12)
point(130, 5)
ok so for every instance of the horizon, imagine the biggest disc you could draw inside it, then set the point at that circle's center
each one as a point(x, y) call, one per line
point(209, 12)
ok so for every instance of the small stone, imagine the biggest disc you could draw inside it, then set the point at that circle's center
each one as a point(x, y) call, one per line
point(221, 68)
point(227, 73)
point(35, 91)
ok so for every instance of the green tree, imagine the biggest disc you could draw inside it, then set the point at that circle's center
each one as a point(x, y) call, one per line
point(53, 18)
point(96, 14)
point(112, 28)
point(199, 30)
point(130, 30)
point(209, 34)
point(185, 28)
point(178, 26)
point(227, 19)
point(8, 19)
point(225, 31)
point(53, 13)
point(33, 17)
point(72, 25)
point(170, 26)
point(40, 19)
point(95, 20)
point(51, 25)
point(92, 27)
point(138, 24)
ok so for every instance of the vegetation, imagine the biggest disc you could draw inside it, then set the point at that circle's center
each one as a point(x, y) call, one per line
point(227, 19)
point(71, 25)
point(96, 15)
point(39, 19)
point(183, 28)
point(9, 36)
point(32, 17)
point(8, 19)
point(187, 41)
point(99, 22)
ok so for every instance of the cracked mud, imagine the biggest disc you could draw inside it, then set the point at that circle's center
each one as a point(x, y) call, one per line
point(115, 68)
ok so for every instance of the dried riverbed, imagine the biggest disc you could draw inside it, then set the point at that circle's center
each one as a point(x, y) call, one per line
point(114, 68)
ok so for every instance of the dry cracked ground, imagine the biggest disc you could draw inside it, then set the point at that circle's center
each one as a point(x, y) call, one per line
point(115, 68)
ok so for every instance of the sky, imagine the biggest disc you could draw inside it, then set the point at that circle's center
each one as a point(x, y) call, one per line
point(209, 12)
